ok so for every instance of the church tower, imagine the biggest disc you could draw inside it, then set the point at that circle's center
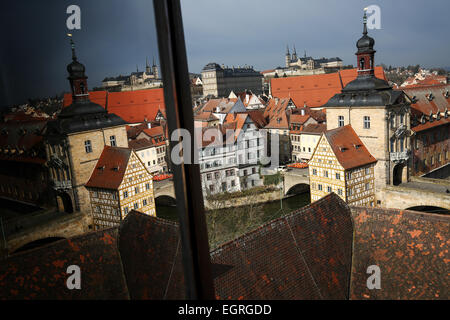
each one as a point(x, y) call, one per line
point(288, 57)
point(365, 54)
point(77, 78)
point(75, 140)
point(379, 115)
point(294, 55)
point(147, 67)
point(155, 69)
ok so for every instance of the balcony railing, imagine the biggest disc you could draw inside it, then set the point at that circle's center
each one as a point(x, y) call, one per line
point(400, 130)
point(400, 156)
point(66, 184)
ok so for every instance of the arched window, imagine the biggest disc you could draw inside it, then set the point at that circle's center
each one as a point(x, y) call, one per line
point(361, 63)
point(82, 88)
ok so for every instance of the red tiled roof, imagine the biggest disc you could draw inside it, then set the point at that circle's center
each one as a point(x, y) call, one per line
point(298, 118)
point(132, 106)
point(154, 132)
point(257, 117)
point(224, 104)
point(315, 90)
point(140, 144)
point(205, 116)
point(110, 168)
point(348, 148)
point(410, 248)
point(134, 131)
point(137, 106)
point(425, 106)
point(303, 255)
point(275, 107)
point(315, 128)
point(320, 251)
point(431, 124)
point(279, 121)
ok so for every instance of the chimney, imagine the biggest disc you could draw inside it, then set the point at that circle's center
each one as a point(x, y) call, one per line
point(302, 112)
point(149, 125)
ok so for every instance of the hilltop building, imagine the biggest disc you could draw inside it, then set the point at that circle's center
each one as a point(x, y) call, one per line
point(136, 80)
point(309, 63)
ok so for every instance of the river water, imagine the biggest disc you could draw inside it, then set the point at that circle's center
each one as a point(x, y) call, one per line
point(272, 210)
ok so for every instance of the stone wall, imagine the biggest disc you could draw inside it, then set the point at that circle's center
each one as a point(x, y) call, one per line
point(65, 227)
point(398, 197)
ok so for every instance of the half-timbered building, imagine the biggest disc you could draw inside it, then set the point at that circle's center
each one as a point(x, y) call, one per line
point(342, 164)
point(119, 183)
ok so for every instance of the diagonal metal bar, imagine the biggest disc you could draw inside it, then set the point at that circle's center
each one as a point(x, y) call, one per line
point(187, 183)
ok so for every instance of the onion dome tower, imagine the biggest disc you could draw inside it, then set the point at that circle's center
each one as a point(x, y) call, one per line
point(82, 114)
point(365, 54)
point(366, 89)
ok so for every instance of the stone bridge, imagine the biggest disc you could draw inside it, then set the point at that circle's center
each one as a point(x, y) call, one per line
point(65, 226)
point(296, 181)
point(164, 191)
point(419, 192)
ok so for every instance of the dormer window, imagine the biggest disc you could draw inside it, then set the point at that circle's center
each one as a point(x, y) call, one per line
point(430, 97)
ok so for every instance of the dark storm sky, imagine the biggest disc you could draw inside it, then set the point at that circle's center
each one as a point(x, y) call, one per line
point(116, 35)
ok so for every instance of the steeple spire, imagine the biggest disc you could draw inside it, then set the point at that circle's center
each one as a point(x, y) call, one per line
point(287, 50)
point(366, 53)
point(72, 44)
point(147, 66)
point(365, 22)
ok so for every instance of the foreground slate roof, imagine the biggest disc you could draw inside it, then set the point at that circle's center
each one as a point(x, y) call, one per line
point(304, 255)
point(411, 249)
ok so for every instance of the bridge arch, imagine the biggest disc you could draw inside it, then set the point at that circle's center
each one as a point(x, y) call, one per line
point(429, 209)
point(64, 202)
point(399, 174)
point(165, 200)
point(297, 189)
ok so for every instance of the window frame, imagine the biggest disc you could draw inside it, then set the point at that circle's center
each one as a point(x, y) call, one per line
point(88, 146)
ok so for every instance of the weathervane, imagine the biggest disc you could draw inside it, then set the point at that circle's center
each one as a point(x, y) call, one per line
point(72, 44)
